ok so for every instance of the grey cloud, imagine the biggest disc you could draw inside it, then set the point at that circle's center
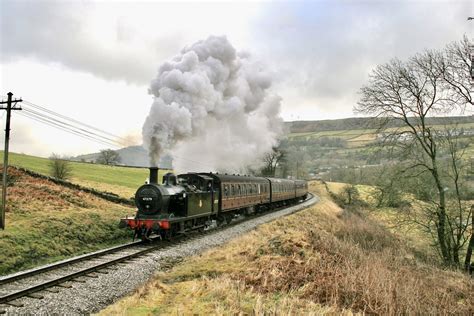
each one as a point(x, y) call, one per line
point(324, 50)
point(53, 31)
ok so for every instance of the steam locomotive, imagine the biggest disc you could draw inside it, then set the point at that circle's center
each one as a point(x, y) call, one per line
point(197, 200)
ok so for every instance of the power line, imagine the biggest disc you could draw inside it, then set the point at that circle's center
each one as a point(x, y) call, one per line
point(72, 120)
point(64, 127)
point(70, 126)
point(44, 121)
point(67, 124)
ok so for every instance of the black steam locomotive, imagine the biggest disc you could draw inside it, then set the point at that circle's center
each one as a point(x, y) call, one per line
point(194, 200)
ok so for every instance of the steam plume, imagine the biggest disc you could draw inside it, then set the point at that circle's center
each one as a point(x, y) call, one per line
point(212, 109)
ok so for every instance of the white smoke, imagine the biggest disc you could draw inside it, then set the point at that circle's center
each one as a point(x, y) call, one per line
point(212, 109)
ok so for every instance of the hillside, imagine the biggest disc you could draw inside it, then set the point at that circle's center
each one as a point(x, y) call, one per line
point(323, 260)
point(116, 179)
point(359, 123)
point(326, 149)
point(46, 222)
point(135, 156)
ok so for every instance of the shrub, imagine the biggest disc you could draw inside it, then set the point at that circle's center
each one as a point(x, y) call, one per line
point(59, 168)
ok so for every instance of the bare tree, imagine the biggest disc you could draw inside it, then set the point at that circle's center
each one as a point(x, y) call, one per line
point(60, 168)
point(461, 212)
point(407, 93)
point(271, 161)
point(455, 65)
point(108, 157)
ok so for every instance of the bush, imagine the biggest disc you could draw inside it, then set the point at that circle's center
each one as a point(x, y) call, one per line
point(59, 168)
point(351, 193)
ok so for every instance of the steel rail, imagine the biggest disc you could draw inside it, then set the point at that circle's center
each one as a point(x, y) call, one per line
point(74, 275)
point(53, 266)
point(21, 293)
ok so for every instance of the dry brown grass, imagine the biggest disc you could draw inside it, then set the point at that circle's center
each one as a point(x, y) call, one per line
point(319, 261)
point(46, 222)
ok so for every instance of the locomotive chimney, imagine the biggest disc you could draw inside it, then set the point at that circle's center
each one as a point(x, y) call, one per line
point(154, 175)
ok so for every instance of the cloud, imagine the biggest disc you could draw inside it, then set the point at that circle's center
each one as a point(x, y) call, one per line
point(112, 40)
point(62, 32)
point(323, 50)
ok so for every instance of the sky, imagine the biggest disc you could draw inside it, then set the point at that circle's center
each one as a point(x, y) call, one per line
point(94, 60)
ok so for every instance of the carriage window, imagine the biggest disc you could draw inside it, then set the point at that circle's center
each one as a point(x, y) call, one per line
point(232, 190)
point(226, 190)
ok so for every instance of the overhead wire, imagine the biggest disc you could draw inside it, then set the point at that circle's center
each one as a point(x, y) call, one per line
point(52, 124)
point(71, 119)
point(53, 119)
point(69, 126)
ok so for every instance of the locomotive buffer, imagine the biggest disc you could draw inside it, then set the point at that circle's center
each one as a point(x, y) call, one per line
point(11, 106)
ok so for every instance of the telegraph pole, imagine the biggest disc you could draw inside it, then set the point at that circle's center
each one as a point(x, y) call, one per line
point(9, 109)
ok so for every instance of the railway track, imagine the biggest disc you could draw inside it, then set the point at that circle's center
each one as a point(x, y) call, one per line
point(59, 274)
point(52, 277)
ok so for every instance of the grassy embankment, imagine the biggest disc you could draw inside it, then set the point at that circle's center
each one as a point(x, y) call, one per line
point(119, 180)
point(46, 222)
point(323, 260)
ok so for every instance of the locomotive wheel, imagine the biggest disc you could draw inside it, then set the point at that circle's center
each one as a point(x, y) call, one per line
point(221, 220)
point(142, 233)
point(228, 218)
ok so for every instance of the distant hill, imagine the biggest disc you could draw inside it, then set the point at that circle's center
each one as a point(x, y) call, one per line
point(136, 156)
point(354, 123)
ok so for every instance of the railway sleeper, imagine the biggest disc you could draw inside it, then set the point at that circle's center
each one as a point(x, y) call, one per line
point(66, 286)
point(92, 276)
point(15, 303)
point(52, 290)
point(36, 296)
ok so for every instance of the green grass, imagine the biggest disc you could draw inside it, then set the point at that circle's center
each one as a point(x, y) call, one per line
point(54, 237)
point(338, 133)
point(120, 180)
point(46, 222)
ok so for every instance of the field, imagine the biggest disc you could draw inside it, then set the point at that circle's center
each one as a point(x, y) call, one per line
point(46, 222)
point(119, 180)
point(328, 154)
point(361, 137)
point(323, 260)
